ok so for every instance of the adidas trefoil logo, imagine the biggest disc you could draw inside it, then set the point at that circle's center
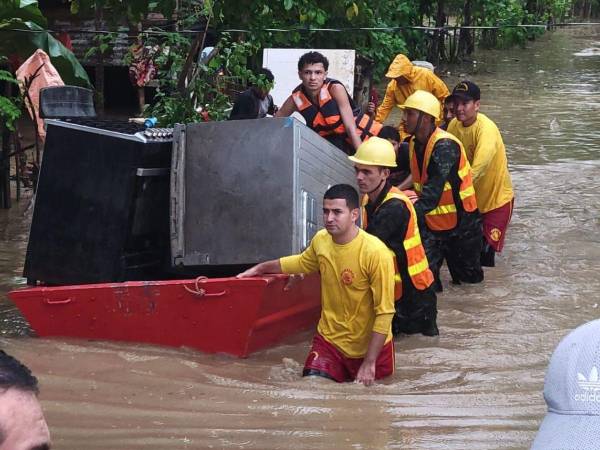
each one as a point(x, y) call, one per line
point(591, 383)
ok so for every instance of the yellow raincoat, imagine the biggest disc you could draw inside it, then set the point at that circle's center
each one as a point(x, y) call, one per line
point(419, 78)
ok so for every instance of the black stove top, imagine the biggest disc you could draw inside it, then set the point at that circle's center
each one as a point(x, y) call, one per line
point(115, 125)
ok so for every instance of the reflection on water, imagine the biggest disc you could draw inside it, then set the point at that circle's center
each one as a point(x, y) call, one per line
point(479, 385)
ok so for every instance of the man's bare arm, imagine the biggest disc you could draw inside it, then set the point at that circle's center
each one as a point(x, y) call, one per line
point(339, 94)
point(406, 183)
point(287, 108)
point(272, 266)
point(366, 372)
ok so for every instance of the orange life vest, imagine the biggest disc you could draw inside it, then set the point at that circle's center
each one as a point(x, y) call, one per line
point(325, 117)
point(445, 215)
point(418, 266)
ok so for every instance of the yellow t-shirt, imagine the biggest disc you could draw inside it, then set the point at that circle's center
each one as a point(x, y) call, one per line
point(485, 151)
point(357, 288)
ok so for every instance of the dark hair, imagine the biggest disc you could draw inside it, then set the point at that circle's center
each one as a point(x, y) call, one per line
point(389, 132)
point(267, 73)
point(344, 191)
point(14, 374)
point(312, 58)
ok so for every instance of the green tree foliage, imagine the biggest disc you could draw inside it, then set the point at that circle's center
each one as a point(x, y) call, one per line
point(23, 29)
point(258, 24)
point(10, 108)
point(304, 16)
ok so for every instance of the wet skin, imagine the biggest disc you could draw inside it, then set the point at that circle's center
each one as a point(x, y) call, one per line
point(22, 423)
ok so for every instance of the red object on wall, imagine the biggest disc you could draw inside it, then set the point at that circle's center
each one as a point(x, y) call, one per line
point(223, 315)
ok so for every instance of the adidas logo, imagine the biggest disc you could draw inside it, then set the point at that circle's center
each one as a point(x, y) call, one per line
point(590, 383)
point(590, 386)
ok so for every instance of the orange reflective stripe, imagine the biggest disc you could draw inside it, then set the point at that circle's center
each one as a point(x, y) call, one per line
point(416, 258)
point(444, 216)
point(325, 117)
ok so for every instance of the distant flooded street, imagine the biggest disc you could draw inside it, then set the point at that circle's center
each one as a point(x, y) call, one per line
point(477, 386)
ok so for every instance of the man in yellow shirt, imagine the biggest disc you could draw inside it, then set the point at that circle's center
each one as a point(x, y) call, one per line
point(354, 336)
point(406, 78)
point(486, 153)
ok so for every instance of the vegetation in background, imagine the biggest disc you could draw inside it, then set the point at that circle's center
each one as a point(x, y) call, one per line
point(10, 107)
point(188, 88)
point(26, 17)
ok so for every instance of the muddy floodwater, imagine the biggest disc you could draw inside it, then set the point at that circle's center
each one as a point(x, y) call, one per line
point(477, 386)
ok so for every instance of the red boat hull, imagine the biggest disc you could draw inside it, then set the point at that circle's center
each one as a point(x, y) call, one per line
point(220, 315)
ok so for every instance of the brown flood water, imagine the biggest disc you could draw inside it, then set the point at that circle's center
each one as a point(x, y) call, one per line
point(477, 386)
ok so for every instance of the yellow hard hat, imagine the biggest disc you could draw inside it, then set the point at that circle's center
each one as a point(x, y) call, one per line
point(375, 152)
point(423, 101)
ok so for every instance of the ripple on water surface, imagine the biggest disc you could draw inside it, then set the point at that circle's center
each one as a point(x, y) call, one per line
point(478, 385)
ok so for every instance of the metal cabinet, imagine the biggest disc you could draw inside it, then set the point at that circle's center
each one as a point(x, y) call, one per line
point(247, 191)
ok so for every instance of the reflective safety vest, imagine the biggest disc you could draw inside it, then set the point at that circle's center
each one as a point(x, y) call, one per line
point(418, 266)
point(444, 216)
point(325, 117)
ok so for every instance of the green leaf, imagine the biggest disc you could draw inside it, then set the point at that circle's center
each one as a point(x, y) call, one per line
point(288, 4)
point(7, 76)
point(350, 13)
point(25, 44)
point(25, 10)
point(9, 111)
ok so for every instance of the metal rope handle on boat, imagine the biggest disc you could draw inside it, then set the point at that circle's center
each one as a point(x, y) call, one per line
point(201, 292)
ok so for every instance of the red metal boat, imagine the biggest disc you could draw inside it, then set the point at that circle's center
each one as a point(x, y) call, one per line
point(228, 315)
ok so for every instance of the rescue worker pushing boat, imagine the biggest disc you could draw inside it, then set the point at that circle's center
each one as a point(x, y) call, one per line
point(449, 221)
point(485, 151)
point(388, 213)
point(354, 338)
point(327, 107)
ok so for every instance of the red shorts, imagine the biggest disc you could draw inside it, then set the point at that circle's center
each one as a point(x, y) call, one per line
point(495, 223)
point(326, 358)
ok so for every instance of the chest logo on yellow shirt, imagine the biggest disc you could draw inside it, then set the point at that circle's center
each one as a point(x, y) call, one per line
point(495, 234)
point(347, 276)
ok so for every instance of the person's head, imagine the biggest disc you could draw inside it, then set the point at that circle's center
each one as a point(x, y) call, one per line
point(312, 70)
point(392, 135)
point(466, 96)
point(401, 81)
point(340, 209)
point(572, 393)
point(421, 109)
point(400, 69)
point(448, 112)
point(22, 423)
point(266, 81)
point(372, 162)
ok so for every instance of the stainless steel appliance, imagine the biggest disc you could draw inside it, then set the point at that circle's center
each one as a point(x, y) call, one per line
point(247, 191)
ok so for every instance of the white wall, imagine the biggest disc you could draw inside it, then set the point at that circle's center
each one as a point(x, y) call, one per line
point(283, 62)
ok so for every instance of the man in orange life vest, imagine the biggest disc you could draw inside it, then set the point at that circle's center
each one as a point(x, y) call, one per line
point(327, 107)
point(449, 221)
point(388, 213)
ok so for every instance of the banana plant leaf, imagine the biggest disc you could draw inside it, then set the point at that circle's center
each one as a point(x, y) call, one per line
point(23, 31)
point(26, 10)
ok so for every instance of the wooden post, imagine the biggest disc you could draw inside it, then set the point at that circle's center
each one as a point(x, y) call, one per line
point(466, 43)
point(99, 68)
point(5, 158)
point(5, 169)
